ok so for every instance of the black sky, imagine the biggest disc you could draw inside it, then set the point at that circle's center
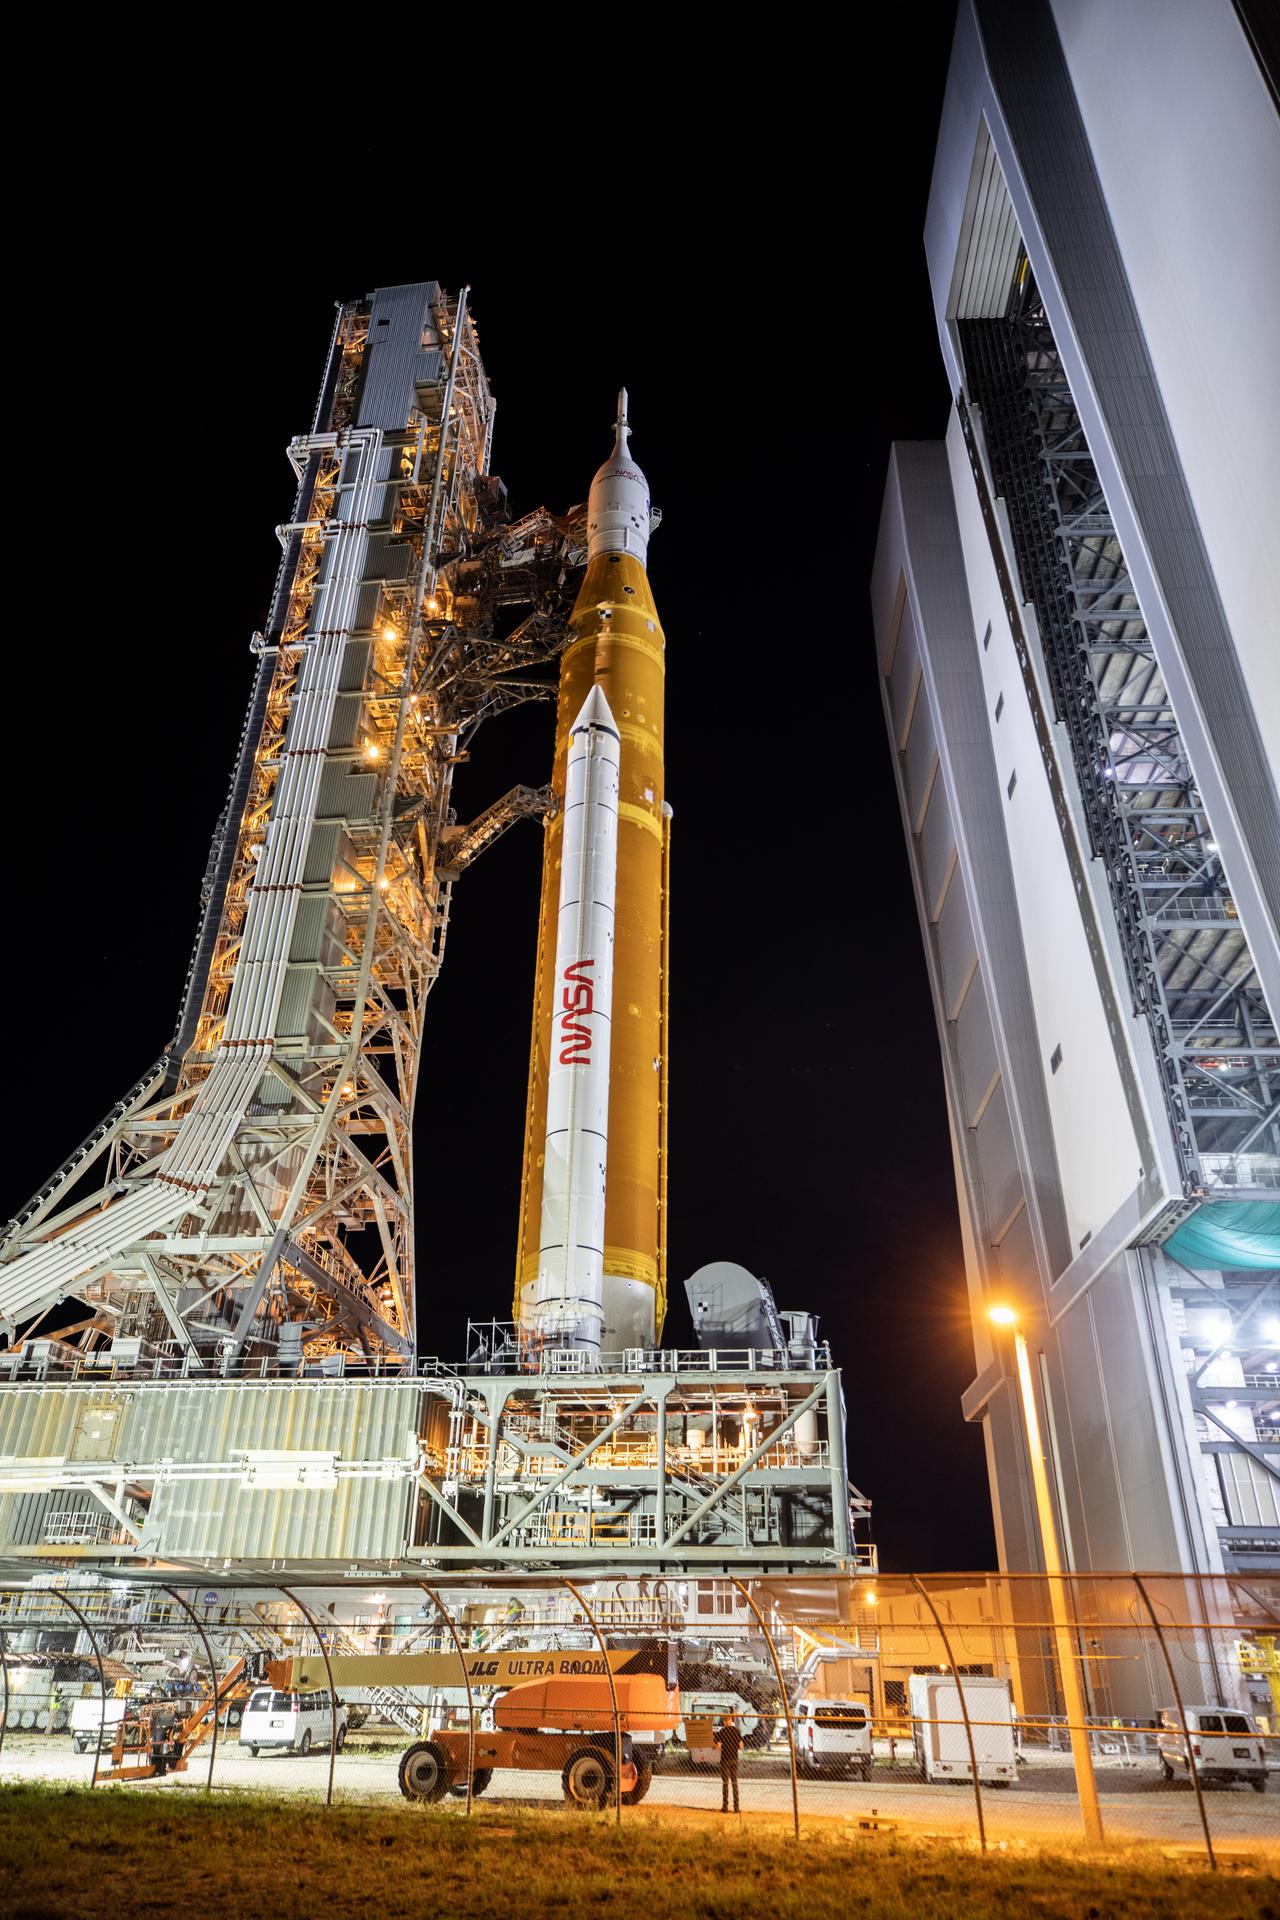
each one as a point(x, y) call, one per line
point(754, 272)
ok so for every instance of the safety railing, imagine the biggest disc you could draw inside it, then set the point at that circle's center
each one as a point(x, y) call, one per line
point(931, 1704)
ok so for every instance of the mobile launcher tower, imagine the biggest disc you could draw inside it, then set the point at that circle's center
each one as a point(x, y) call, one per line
point(209, 1308)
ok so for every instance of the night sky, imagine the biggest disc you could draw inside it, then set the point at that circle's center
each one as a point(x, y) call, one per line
point(757, 280)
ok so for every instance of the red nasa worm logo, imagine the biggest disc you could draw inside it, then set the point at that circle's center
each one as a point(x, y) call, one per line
point(577, 997)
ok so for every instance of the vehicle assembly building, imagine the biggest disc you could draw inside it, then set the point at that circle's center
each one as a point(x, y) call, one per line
point(212, 1355)
point(1074, 611)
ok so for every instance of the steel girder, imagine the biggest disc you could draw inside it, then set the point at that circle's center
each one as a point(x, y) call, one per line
point(1186, 955)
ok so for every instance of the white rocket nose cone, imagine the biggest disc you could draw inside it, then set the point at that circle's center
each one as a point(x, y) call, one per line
point(595, 711)
point(618, 504)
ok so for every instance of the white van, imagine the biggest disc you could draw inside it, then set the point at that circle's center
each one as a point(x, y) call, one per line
point(833, 1737)
point(290, 1722)
point(1224, 1742)
point(95, 1719)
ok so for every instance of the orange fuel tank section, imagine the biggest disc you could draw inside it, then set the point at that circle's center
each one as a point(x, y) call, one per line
point(645, 1705)
point(617, 644)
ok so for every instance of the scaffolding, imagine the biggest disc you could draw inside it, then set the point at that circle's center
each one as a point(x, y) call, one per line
point(1187, 959)
point(1186, 955)
point(251, 1196)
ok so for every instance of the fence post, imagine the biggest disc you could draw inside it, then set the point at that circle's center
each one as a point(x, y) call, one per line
point(920, 1588)
point(613, 1695)
point(440, 1608)
point(4, 1673)
point(1192, 1768)
point(786, 1704)
point(314, 1624)
point(102, 1678)
point(213, 1678)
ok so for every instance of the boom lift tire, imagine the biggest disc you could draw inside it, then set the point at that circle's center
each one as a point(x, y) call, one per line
point(644, 1780)
point(425, 1773)
point(304, 1745)
point(587, 1779)
point(480, 1779)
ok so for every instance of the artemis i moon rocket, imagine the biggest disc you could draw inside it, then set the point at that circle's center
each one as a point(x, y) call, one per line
point(591, 1264)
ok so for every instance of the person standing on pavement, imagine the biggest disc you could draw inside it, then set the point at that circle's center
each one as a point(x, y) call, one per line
point(729, 1741)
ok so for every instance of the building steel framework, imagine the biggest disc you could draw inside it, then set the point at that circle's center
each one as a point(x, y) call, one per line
point(657, 1461)
point(253, 1192)
point(1186, 955)
point(239, 1230)
point(1187, 958)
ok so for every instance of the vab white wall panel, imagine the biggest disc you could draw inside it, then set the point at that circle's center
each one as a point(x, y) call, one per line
point(1187, 147)
point(998, 1166)
point(957, 949)
point(1112, 1431)
point(1015, 1258)
point(937, 849)
point(904, 677)
point(1098, 1157)
point(920, 761)
point(975, 1050)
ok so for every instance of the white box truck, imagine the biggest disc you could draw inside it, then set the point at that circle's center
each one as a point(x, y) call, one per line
point(937, 1723)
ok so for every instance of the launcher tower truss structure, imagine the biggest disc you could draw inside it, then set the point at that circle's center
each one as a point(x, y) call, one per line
point(252, 1195)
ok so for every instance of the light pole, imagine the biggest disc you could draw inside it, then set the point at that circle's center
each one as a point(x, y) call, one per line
point(1072, 1690)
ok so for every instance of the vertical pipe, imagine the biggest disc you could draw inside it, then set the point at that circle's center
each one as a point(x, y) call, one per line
point(1059, 1607)
point(4, 1674)
point(491, 1466)
point(786, 1705)
point(837, 1461)
point(664, 1056)
point(200, 1629)
point(613, 1695)
point(314, 1624)
point(447, 1617)
point(102, 1678)
point(1192, 1768)
point(964, 1708)
point(660, 1508)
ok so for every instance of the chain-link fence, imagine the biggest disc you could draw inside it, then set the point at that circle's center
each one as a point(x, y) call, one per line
point(1001, 1708)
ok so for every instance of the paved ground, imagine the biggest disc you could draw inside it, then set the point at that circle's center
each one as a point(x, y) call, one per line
point(1137, 1804)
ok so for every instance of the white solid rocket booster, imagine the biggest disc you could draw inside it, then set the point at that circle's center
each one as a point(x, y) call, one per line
point(567, 1309)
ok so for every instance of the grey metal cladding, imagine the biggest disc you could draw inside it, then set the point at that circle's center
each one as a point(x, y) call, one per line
point(359, 1519)
point(355, 665)
point(387, 559)
point(1030, 79)
point(984, 271)
point(396, 361)
point(24, 1517)
point(297, 998)
point(308, 927)
point(321, 849)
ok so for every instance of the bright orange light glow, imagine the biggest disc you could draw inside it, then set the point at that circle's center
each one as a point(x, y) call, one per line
point(389, 633)
point(371, 752)
point(869, 1597)
point(1002, 1316)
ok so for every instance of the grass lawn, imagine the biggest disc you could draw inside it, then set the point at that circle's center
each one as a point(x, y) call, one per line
point(125, 1852)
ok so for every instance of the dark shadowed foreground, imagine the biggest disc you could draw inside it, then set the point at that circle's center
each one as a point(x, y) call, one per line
point(74, 1854)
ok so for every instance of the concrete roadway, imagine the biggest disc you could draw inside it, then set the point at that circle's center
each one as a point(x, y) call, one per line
point(1136, 1804)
